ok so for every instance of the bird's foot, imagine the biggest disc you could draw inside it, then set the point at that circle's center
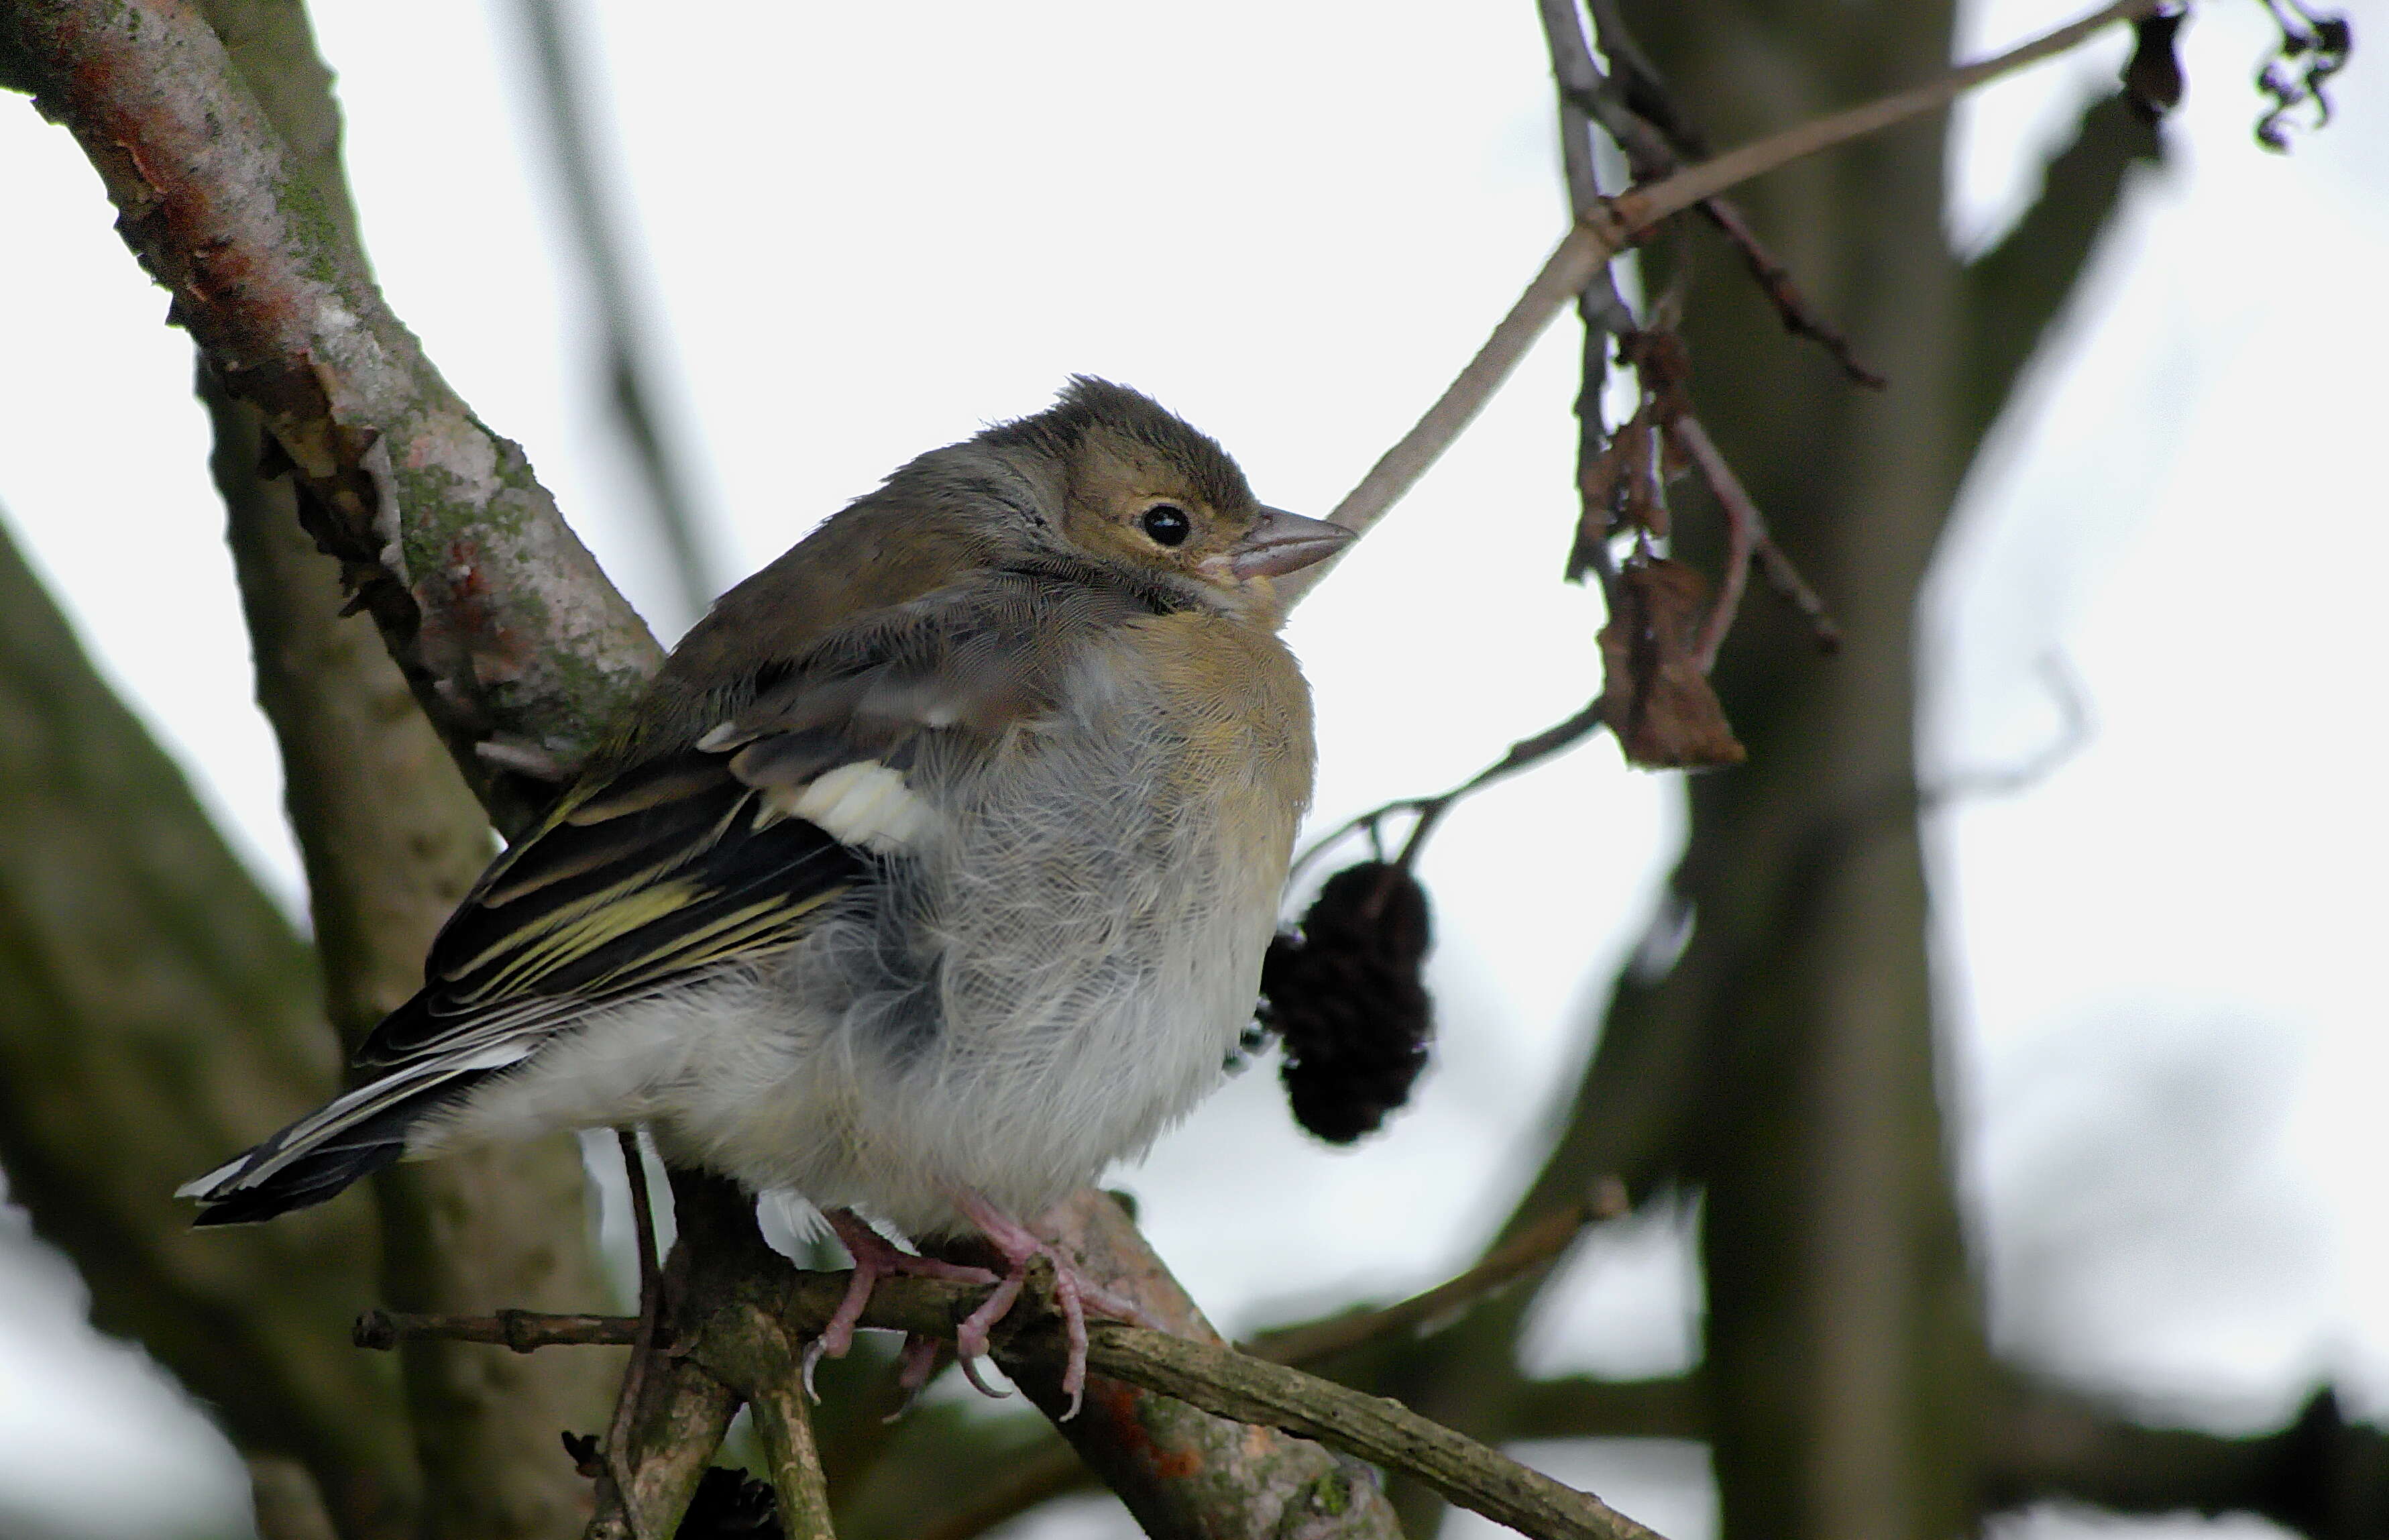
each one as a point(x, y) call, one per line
point(874, 1258)
point(1074, 1292)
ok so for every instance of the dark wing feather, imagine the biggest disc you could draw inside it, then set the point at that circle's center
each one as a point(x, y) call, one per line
point(648, 880)
point(670, 866)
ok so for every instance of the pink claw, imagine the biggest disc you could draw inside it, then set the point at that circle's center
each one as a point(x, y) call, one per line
point(1073, 1292)
point(875, 1259)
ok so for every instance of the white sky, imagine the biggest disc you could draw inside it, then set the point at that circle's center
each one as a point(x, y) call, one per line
point(873, 228)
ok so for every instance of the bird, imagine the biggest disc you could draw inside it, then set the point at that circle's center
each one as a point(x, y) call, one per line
point(930, 876)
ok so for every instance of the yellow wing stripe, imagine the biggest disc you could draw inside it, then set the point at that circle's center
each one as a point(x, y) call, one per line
point(756, 930)
point(566, 935)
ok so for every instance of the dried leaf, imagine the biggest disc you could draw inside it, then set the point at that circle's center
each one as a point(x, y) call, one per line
point(1642, 507)
point(1664, 365)
point(1619, 493)
point(1654, 696)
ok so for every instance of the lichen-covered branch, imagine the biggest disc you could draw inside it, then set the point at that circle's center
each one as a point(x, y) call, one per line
point(1182, 1468)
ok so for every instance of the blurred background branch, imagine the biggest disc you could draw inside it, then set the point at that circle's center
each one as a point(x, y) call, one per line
point(569, 118)
point(155, 1009)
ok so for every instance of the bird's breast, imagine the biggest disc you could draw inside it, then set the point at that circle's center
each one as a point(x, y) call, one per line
point(1088, 929)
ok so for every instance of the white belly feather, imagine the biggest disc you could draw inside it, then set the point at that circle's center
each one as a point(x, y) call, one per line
point(1055, 972)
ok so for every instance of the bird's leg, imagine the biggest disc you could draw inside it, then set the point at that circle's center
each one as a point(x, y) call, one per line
point(875, 1259)
point(1073, 1292)
point(634, 1374)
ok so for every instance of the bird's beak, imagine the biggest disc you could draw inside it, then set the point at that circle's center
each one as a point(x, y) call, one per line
point(1283, 543)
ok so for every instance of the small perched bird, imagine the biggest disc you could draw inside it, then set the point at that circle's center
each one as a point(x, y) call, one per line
point(931, 875)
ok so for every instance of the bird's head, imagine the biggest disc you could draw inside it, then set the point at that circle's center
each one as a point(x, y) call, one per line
point(1129, 484)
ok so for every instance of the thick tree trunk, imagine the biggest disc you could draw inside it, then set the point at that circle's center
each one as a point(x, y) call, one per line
point(1785, 1061)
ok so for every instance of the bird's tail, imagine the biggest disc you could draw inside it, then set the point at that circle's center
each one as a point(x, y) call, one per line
point(353, 1136)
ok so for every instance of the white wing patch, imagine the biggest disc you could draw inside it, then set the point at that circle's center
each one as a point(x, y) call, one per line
point(864, 805)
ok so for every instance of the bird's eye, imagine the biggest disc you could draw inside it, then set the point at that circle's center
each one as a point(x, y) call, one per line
point(1166, 524)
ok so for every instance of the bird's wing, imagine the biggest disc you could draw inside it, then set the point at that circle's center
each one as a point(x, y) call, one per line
point(730, 848)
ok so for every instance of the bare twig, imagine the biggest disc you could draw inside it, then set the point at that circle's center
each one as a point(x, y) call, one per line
point(1603, 309)
point(1216, 1380)
point(1382, 1432)
point(1652, 148)
point(1644, 207)
point(1522, 755)
point(1785, 579)
point(1530, 1249)
point(1774, 279)
point(1746, 541)
point(1742, 536)
point(523, 1330)
point(1180, 1469)
point(1626, 218)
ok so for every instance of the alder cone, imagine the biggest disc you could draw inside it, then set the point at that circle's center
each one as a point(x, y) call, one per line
point(1346, 1000)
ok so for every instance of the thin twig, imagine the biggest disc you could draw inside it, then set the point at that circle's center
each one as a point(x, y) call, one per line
point(1747, 541)
point(1603, 309)
point(1745, 530)
point(1528, 1251)
point(1643, 208)
point(1215, 1379)
point(1524, 753)
point(1379, 1430)
point(1651, 150)
point(1774, 280)
point(1593, 242)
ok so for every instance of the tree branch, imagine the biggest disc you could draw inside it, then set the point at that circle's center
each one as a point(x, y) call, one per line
point(1529, 1250)
point(1182, 1472)
point(761, 1329)
point(2015, 289)
point(494, 611)
point(1627, 220)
